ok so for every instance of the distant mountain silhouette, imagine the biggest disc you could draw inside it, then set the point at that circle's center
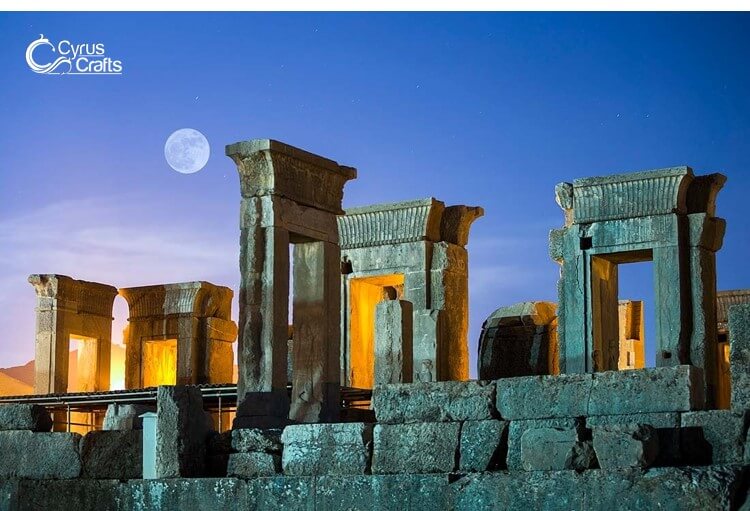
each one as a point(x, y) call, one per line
point(24, 373)
point(19, 380)
point(11, 387)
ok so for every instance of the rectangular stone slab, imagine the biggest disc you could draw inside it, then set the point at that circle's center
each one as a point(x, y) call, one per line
point(720, 432)
point(257, 440)
point(650, 390)
point(39, 455)
point(543, 397)
point(19, 417)
point(667, 426)
point(316, 449)
point(657, 389)
point(424, 448)
point(516, 429)
point(484, 445)
point(253, 464)
point(698, 488)
point(434, 402)
point(112, 454)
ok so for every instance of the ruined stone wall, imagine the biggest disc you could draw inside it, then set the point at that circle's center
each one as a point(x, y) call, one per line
point(613, 440)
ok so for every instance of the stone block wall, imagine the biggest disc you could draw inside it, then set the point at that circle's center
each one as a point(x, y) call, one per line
point(619, 440)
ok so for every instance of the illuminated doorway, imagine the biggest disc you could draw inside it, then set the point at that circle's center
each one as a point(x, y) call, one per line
point(159, 363)
point(364, 294)
point(83, 364)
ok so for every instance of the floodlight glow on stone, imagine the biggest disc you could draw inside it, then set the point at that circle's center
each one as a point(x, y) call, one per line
point(187, 150)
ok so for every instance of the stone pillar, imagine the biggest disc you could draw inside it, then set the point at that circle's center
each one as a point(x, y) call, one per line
point(288, 196)
point(672, 332)
point(67, 307)
point(604, 325)
point(428, 344)
point(393, 342)
point(264, 303)
point(181, 431)
point(315, 363)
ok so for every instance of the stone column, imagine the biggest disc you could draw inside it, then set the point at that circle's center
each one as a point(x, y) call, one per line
point(604, 324)
point(393, 342)
point(264, 303)
point(670, 299)
point(288, 196)
point(315, 363)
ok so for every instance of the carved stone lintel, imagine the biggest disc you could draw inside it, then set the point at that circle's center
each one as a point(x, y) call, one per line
point(269, 167)
point(400, 222)
point(80, 296)
point(636, 194)
point(201, 299)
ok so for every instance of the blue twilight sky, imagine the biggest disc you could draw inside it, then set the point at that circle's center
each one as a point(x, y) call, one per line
point(479, 109)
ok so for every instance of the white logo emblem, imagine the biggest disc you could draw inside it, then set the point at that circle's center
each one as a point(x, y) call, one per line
point(73, 59)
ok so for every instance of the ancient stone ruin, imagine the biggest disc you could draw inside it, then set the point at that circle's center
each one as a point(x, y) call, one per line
point(564, 415)
point(416, 251)
point(178, 334)
point(66, 310)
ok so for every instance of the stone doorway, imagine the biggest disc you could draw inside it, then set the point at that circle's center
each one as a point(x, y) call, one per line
point(364, 295)
point(159, 362)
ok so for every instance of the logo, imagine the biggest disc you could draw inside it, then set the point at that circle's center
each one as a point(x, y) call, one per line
point(73, 59)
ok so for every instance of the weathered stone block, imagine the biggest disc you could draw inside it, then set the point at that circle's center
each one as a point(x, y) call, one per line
point(516, 340)
point(415, 492)
point(314, 449)
point(280, 492)
point(517, 428)
point(739, 356)
point(182, 494)
point(484, 445)
point(125, 417)
point(32, 455)
point(693, 488)
point(626, 445)
point(552, 448)
point(253, 464)
point(112, 455)
point(434, 402)
point(181, 432)
point(17, 417)
point(429, 447)
point(718, 432)
point(429, 328)
point(667, 425)
point(257, 440)
point(656, 389)
point(677, 489)
point(542, 397)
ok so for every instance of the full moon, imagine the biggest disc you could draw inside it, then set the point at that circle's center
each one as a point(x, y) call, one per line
point(187, 150)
